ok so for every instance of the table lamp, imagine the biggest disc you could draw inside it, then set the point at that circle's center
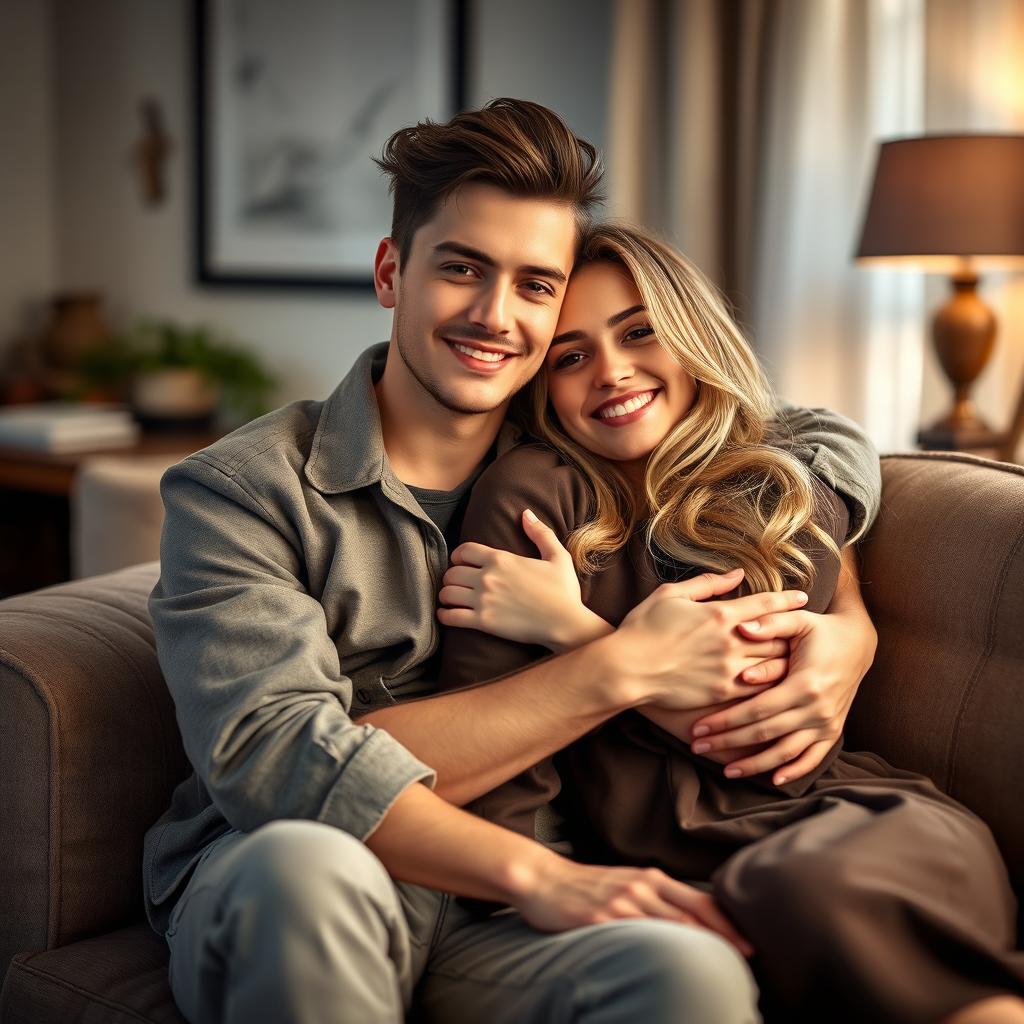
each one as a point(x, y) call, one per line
point(951, 204)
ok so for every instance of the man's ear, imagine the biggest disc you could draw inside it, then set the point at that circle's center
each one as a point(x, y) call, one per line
point(385, 273)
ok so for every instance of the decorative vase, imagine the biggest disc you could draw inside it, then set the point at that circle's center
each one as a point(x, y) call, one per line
point(78, 328)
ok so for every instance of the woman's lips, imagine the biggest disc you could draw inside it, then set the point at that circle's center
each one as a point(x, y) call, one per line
point(629, 417)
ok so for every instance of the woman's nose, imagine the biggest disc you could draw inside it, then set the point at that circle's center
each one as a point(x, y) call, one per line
point(611, 367)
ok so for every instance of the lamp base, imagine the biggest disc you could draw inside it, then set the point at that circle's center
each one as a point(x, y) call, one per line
point(964, 330)
point(959, 434)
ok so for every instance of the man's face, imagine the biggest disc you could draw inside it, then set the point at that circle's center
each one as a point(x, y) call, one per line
point(477, 301)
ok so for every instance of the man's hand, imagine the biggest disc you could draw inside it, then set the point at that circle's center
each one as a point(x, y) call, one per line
point(804, 715)
point(682, 651)
point(559, 894)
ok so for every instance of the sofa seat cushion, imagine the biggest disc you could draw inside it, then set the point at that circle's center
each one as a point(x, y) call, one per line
point(117, 978)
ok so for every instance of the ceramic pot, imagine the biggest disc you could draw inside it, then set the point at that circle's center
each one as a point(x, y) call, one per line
point(176, 396)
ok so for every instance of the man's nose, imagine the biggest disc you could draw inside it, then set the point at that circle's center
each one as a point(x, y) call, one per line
point(491, 310)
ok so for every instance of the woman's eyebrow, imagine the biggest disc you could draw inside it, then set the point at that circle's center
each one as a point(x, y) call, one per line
point(561, 339)
point(625, 314)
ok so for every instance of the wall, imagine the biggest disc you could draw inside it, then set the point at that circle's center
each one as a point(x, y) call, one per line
point(110, 53)
point(27, 235)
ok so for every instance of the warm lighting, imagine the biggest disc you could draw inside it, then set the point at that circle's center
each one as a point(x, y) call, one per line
point(951, 204)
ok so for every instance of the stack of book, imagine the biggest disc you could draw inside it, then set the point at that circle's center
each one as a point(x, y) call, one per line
point(61, 427)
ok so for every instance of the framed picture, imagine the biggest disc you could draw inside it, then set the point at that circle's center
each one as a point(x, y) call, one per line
point(292, 101)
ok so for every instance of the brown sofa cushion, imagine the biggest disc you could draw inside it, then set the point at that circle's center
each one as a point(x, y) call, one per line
point(89, 753)
point(118, 978)
point(943, 577)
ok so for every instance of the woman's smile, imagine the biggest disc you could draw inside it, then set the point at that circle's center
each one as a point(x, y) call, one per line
point(619, 412)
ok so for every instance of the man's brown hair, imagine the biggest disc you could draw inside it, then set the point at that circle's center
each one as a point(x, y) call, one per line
point(516, 145)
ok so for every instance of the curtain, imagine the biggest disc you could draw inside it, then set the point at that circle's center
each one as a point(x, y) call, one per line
point(745, 131)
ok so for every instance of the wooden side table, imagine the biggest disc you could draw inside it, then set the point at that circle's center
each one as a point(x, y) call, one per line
point(35, 511)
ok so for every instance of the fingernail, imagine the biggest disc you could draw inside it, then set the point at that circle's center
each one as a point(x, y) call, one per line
point(531, 516)
point(701, 748)
point(781, 780)
point(733, 773)
point(732, 572)
point(801, 597)
point(754, 626)
point(701, 730)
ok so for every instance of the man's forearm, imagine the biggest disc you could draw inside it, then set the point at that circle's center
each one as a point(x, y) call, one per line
point(425, 840)
point(479, 737)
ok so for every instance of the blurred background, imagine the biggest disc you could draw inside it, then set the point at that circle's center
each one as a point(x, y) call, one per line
point(190, 184)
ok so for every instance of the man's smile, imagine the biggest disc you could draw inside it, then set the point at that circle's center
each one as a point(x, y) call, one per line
point(478, 357)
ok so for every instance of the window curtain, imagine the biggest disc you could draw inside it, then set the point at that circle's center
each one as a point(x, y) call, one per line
point(745, 131)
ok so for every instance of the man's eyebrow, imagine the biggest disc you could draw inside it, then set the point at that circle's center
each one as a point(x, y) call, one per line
point(456, 249)
point(469, 253)
point(561, 339)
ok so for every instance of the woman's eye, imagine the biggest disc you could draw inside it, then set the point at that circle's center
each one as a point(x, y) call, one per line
point(637, 333)
point(569, 359)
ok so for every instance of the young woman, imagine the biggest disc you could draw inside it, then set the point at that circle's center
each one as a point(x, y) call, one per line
point(866, 892)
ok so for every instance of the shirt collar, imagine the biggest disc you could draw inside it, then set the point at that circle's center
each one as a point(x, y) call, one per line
point(348, 445)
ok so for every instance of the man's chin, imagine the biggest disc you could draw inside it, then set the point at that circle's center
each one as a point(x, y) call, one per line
point(469, 405)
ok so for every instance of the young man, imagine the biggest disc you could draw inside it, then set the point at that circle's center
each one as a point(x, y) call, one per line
point(300, 873)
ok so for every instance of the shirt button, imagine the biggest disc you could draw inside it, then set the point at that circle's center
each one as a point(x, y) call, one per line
point(363, 694)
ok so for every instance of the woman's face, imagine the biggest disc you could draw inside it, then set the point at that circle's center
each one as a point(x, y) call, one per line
point(616, 391)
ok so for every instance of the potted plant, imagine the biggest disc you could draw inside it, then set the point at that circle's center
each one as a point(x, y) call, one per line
point(178, 376)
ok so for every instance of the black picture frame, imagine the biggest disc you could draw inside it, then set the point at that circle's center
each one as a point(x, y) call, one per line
point(211, 268)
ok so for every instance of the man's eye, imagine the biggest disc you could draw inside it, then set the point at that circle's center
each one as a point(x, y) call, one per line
point(569, 359)
point(637, 333)
point(538, 288)
point(459, 269)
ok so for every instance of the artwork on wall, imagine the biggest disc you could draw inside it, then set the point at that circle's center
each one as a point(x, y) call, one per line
point(292, 101)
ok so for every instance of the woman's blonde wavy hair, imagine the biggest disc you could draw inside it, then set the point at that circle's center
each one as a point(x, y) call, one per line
point(720, 480)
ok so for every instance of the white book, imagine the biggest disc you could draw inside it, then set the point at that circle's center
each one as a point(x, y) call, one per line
point(61, 427)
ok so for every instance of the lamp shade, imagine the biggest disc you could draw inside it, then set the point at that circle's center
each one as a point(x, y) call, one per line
point(939, 199)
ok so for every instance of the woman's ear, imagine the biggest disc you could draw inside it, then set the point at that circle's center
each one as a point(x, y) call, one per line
point(386, 274)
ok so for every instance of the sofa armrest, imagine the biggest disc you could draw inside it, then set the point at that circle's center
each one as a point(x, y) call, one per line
point(943, 578)
point(89, 755)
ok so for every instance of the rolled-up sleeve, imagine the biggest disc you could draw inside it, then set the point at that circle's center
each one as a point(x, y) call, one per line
point(841, 455)
point(261, 698)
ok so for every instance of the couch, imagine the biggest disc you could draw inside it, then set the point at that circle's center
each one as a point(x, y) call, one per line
point(90, 751)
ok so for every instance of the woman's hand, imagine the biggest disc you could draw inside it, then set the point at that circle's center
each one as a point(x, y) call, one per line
point(803, 716)
point(528, 600)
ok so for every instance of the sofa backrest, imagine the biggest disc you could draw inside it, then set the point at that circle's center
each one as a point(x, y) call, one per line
point(943, 578)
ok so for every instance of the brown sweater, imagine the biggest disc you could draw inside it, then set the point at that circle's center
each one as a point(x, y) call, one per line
point(617, 790)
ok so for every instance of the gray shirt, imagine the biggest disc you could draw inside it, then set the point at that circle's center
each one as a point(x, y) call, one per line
point(298, 586)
